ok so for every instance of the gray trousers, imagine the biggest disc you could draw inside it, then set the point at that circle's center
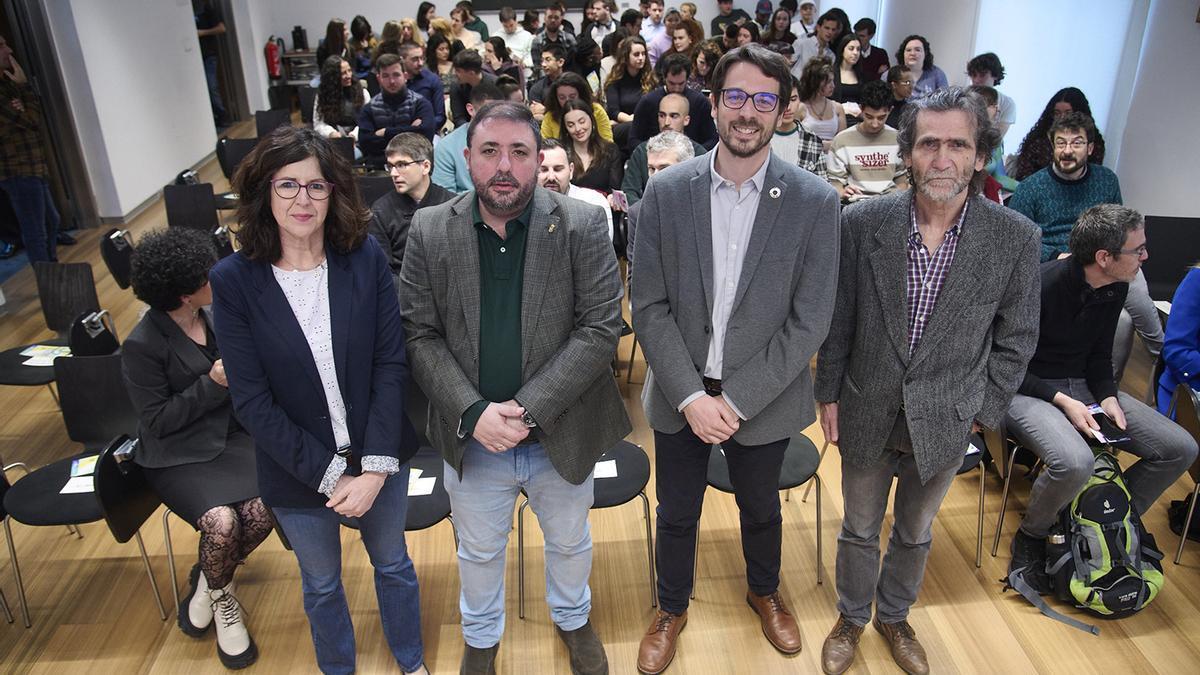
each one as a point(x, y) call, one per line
point(860, 581)
point(1166, 451)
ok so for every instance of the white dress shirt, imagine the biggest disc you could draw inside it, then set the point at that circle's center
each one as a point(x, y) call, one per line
point(590, 196)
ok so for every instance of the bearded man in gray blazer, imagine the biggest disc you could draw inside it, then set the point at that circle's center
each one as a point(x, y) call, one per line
point(732, 295)
point(511, 301)
point(936, 320)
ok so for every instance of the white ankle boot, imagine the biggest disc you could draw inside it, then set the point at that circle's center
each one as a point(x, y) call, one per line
point(235, 647)
point(195, 612)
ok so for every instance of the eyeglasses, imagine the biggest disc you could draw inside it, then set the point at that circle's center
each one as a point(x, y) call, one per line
point(1139, 251)
point(735, 99)
point(318, 190)
point(400, 166)
point(1077, 144)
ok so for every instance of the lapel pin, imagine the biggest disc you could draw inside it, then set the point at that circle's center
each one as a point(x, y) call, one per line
point(553, 226)
point(774, 192)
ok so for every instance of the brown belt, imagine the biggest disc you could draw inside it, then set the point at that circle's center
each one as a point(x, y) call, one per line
point(711, 387)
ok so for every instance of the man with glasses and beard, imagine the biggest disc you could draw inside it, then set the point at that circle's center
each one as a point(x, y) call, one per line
point(937, 317)
point(736, 274)
point(511, 302)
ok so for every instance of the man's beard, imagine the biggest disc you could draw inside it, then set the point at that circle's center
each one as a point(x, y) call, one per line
point(553, 184)
point(942, 192)
point(503, 204)
point(1075, 164)
point(745, 148)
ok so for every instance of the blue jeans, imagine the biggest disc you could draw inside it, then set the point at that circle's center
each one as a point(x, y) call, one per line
point(214, 90)
point(482, 502)
point(34, 207)
point(315, 535)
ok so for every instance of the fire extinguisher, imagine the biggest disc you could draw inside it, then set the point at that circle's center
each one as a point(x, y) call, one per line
point(274, 54)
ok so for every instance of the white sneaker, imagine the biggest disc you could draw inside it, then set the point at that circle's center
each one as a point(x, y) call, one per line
point(235, 647)
point(195, 612)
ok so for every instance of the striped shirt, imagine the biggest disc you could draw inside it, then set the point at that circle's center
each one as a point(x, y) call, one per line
point(927, 274)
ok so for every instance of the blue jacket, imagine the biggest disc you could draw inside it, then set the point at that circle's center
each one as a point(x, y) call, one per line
point(277, 392)
point(449, 166)
point(1181, 346)
point(429, 85)
point(395, 114)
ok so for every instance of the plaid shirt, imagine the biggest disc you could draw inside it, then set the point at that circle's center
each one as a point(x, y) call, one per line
point(927, 274)
point(812, 153)
point(21, 150)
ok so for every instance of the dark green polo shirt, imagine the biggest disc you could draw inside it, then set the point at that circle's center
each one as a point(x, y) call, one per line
point(501, 278)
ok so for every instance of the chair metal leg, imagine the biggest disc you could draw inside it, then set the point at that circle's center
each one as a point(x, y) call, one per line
point(650, 549)
point(979, 526)
point(54, 394)
point(4, 603)
point(521, 559)
point(1187, 522)
point(166, 525)
point(162, 611)
point(1012, 454)
point(453, 531)
point(820, 459)
point(632, 353)
point(820, 551)
point(696, 562)
point(12, 556)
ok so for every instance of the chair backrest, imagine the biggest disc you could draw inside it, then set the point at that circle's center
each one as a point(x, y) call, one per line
point(66, 290)
point(191, 206)
point(125, 495)
point(265, 121)
point(372, 83)
point(93, 334)
point(231, 152)
point(344, 146)
point(116, 250)
point(308, 99)
point(373, 187)
point(95, 405)
point(1187, 415)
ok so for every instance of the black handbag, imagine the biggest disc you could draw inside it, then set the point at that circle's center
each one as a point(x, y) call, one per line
point(92, 334)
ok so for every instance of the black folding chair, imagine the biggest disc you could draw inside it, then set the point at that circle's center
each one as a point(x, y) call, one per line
point(308, 100)
point(65, 290)
point(116, 250)
point(230, 153)
point(266, 121)
point(373, 187)
point(344, 146)
point(191, 206)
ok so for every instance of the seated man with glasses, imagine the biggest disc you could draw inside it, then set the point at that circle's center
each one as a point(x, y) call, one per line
point(409, 163)
point(1072, 369)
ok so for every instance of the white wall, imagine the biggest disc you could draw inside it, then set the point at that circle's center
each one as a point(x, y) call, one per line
point(253, 21)
point(1159, 134)
point(136, 89)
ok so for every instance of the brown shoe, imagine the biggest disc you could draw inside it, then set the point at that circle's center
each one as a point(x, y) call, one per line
point(906, 651)
point(658, 644)
point(840, 647)
point(777, 622)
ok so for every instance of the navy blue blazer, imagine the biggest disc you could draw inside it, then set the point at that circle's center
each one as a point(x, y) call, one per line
point(277, 392)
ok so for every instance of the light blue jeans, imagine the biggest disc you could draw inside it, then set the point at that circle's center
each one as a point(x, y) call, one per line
point(482, 502)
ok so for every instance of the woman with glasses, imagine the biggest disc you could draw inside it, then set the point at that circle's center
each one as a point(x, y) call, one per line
point(309, 328)
point(192, 449)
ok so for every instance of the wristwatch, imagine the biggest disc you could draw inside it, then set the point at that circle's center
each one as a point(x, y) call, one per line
point(527, 419)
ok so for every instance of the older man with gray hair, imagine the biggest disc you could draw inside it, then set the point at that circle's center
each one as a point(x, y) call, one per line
point(666, 149)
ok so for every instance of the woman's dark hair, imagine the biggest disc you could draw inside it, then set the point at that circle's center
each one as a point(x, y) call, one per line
point(814, 76)
point(567, 79)
point(436, 39)
point(752, 29)
point(841, 47)
point(335, 36)
point(422, 10)
point(345, 224)
point(987, 62)
point(331, 95)
point(530, 18)
point(597, 147)
point(771, 35)
point(621, 69)
point(712, 55)
point(170, 263)
point(1035, 152)
point(500, 48)
point(928, 53)
point(771, 64)
point(360, 32)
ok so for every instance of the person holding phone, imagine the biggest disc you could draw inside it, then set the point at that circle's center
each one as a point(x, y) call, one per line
point(23, 168)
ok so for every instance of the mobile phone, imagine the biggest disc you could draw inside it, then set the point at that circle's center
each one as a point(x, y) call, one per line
point(620, 200)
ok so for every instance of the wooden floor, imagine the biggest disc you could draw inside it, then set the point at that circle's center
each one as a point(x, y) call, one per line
point(93, 612)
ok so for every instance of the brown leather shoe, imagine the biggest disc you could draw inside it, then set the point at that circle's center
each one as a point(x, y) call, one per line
point(906, 651)
point(840, 647)
point(658, 644)
point(777, 622)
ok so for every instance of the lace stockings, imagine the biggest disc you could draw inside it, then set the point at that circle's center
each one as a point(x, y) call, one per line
point(227, 536)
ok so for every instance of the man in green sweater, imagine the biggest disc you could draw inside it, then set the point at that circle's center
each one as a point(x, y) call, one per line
point(1055, 196)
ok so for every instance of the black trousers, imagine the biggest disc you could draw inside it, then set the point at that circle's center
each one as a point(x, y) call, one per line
point(681, 468)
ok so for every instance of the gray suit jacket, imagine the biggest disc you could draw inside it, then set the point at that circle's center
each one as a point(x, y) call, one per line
point(570, 325)
point(976, 344)
point(782, 305)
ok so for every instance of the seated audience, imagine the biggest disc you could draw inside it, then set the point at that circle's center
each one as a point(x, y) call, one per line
point(700, 129)
point(817, 45)
point(439, 54)
point(192, 449)
point(339, 100)
point(653, 25)
point(630, 80)
point(602, 23)
point(471, 21)
point(362, 45)
point(570, 86)
point(553, 61)
point(449, 164)
point(1035, 151)
point(779, 31)
point(498, 61)
point(901, 82)
point(747, 34)
point(511, 89)
point(423, 81)
point(426, 12)
point(864, 160)
point(847, 82)
point(664, 39)
point(552, 33)
point(1181, 345)
point(409, 32)
point(793, 142)
point(915, 55)
point(409, 163)
point(532, 21)
point(389, 41)
point(458, 31)
point(336, 41)
point(395, 109)
point(672, 116)
point(998, 179)
point(686, 38)
point(468, 73)
point(597, 161)
point(1072, 369)
point(555, 174)
point(703, 62)
point(762, 14)
point(727, 16)
point(822, 115)
point(985, 70)
point(688, 10)
point(730, 39)
point(516, 39)
point(586, 64)
point(873, 64)
point(803, 18)
point(664, 150)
